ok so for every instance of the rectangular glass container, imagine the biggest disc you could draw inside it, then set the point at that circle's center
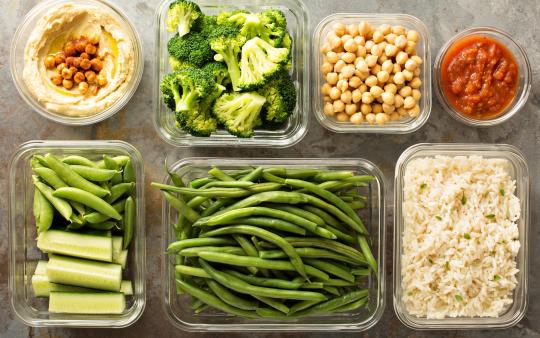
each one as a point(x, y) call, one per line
point(177, 307)
point(404, 126)
point(520, 173)
point(23, 250)
point(288, 134)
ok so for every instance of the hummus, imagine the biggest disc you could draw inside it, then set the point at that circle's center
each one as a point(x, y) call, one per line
point(71, 21)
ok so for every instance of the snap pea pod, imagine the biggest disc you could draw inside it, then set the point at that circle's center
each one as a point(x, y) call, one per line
point(352, 306)
point(93, 174)
point(51, 178)
point(364, 246)
point(194, 242)
point(129, 222)
point(78, 160)
point(107, 225)
point(309, 253)
point(331, 268)
point(194, 252)
point(75, 180)
point(121, 160)
point(267, 236)
point(119, 190)
point(61, 205)
point(112, 165)
point(97, 217)
point(230, 298)
point(249, 249)
point(273, 303)
point(129, 172)
point(335, 303)
point(88, 199)
point(259, 263)
point(272, 223)
point(191, 271)
point(180, 205)
point(220, 175)
point(239, 285)
point(268, 282)
point(43, 212)
point(214, 301)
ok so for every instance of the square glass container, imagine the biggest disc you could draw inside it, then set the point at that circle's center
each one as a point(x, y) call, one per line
point(519, 171)
point(23, 250)
point(177, 307)
point(404, 126)
point(286, 135)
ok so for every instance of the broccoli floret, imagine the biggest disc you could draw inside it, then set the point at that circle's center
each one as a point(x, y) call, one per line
point(270, 25)
point(280, 94)
point(239, 112)
point(260, 61)
point(177, 64)
point(227, 43)
point(192, 48)
point(219, 71)
point(181, 15)
point(223, 17)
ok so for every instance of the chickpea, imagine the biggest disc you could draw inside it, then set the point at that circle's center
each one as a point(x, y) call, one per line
point(326, 68)
point(376, 108)
point(416, 94)
point(382, 58)
point(370, 118)
point(405, 91)
point(356, 96)
point(387, 66)
point(357, 118)
point(85, 64)
point(412, 35)
point(410, 48)
point(339, 29)
point(56, 79)
point(367, 97)
point(94, 39)
point(346, 97)
point(345, 38)
point(377, 36)
point(376, 50)
point(78, 77)
point(335, 42)
point(97, 65)
point(80, 46)
point(329, 109)
point(381, 118)
point(68, 84)
point(401, 41)
point(342, 117)
point(399, 78)
point(70, 49)
point(398, 30)
point(49, 62)
point(361, 51)
point(84, 56)
point(334, 93)
point(408, 75)
point(402, 111)
point(90, 76)
point(415, 83)
point(369, 44)
point(332, 57)
point(390, 50)
point(410, 65)
point(383, 76)
point(388, 98)
point(362, 66)
point(371, 60)
point(348, 71)
point(355, 82)
point(390, 38)
point(362, 75)
point(414, 111)
point(66, 73)
point(59, 58)
point(325, 88)
point(359, 40)
point(342, 85)
point(398, 101)
point(326, 48)
point(409, 102)
point(94, 90)
point(350, 109)
point(69, 61)
point(327, 98)
point(364, 28)
point(60, 67)
point(371, 81)
point(385, 29)
point(350, 46)
point(401, 58)
point(417, 59)
point(391, 88)
point(339, 66)
point(352, 30)
point(416, 72)
point(376, 91)
point(365, 108)
point(363, 88)
point(339, 106)
point(102, 80)
point(376, 69)
point(83, 87)
point(397, 68)
point(332, 78)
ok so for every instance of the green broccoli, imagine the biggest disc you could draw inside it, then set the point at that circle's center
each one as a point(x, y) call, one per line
point(219, 71)
point(260, 61)
point(227, 43)
point(271, 25)
point(181, 15)
point(192, 48)
point(280, 94)
point(239, 112)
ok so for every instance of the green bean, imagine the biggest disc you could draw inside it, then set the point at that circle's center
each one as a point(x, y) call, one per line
point(181, 206)
point(107, 225)
point(331, 268)
point(196, 303)
point(75, 180)
point(78, 160)
point(301, 305)
point(239, 285)
point(119, 190)
point(220, 175)
point(88, 199)
point(191, 271)
point(299, 212)
point(338, 282)
point(332, 176)
point(255, 242)
point(212, 192)
point(335, 211)
point(129, 172)
point(265, 197)
point(93, 174)
point(335, 303)
point(271, 313)
point(268, 282)
point(272, 178)
point(253, 175)
point(361, 272)
point(312, 285)
point(309, 253)
point(264, 187)
point(112, 165)
point(266, 235)
point(355, 205)
point(293, 173)
point(339, 234)
point(194, 242)
point(364, 246)
point(259, 263)
point(121, 160)
point(352, 306)
point(331, 290)
point(214, 207)
point(194, 252)
point(273, 303)
point(230, 298)
point(328, 219)
point(62, 206)
point(43, 212)
point(97, 217)
point(229, 184)
point(249, 249)
point(196, 184)
point(272, 223)
point(213, 301)
point(326, 244)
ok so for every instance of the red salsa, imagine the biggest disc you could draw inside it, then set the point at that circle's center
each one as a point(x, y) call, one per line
point(479, 77)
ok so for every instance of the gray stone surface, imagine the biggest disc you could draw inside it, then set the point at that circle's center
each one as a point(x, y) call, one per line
point(134, 125)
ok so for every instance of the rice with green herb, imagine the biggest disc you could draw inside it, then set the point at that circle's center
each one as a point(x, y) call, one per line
point(460, 238)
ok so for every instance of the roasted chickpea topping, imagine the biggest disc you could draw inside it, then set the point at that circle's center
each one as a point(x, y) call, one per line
point(79, 77)
point(49, 62)
point(68, 84)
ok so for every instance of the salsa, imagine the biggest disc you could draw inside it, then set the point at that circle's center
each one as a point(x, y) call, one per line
point(479, 77)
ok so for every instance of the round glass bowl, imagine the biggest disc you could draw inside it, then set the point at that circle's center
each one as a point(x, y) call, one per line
point(523, 85)
point(18, 46)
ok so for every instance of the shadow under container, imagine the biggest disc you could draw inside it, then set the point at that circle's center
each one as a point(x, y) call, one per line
point(519, 172)
point(285, 135)
point(407, 125)
point(177, 306)
point(24, 253)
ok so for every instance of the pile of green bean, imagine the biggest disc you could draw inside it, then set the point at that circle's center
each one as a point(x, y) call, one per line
point(271, 242)
point(75, 192)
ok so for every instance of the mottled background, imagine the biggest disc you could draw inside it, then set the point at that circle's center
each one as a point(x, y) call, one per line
point(134, 124)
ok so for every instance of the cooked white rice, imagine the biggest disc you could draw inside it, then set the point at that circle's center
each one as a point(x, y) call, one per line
point(460, 238)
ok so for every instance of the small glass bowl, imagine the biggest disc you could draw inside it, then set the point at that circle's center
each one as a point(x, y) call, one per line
point(177, 307)
point(18, 45)
point(524, 81)
point(24, 253)
point(519, 171)
point(404, 126)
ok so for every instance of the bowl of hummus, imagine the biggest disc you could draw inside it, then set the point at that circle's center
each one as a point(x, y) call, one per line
point(76, 62)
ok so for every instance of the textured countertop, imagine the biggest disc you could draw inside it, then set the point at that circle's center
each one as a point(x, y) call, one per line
point(133, 124)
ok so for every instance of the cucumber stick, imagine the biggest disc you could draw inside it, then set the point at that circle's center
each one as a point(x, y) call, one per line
point(87, 302)
point(85, 273)
point(116, 247)
point(41, 268)
point(42, 287)
point(76, 244)
point(121, 259)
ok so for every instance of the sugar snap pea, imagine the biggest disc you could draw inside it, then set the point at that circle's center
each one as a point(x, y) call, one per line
point(121, 160)
point(107, 225)
point(119, 190)
point(97, 217)
point(129, 221)
point(93, 174)
point(112, 165)
point(88, 199)
point(50, 177)
point(79, 160)
point(61, 205)
point(43, 212)
point(230, 298)
point(129, 172)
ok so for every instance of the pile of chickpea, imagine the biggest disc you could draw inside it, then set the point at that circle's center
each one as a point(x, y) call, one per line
point(371, 74)
point(78, 63)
